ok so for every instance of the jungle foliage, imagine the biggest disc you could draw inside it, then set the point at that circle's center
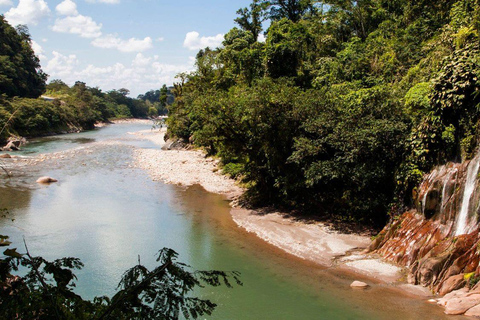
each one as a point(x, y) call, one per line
point(74, 108)
point(67, 109)
point(345, 105)
point(20, 72)
point(46, 289)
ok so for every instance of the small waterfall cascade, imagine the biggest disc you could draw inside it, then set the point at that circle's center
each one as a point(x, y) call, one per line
point(436, 191)
point(445, 196)
point(439, 238)
point(470, 182)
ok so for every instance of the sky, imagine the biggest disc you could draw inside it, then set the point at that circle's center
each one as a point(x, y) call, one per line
point(111, 44)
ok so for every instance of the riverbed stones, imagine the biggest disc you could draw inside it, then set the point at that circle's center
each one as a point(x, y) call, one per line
point(46, 180)
point(5, 156)
point(359, 285)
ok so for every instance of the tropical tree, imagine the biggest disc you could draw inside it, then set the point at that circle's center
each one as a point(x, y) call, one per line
point(20, 72)
point(250, 19)
point(46, 290)
point(292, 10)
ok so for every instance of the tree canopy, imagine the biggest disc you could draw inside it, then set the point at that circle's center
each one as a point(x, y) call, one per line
point(20, 72)
point(45, 290)
point(343, 108)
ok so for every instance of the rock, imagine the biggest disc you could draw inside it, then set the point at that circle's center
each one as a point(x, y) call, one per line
point(46, 180)
point(462, 304)
point(5, 156)
point(452, 283)
point(473, 312)
point(14, 144)
point(359, 285)
point(452, 295)
point(175, 145)
point(10, 147)
point(432, 203)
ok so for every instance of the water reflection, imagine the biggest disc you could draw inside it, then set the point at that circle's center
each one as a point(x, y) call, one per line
point(107, 213)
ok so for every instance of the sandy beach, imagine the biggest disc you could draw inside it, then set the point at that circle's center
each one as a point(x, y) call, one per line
point(314, 242)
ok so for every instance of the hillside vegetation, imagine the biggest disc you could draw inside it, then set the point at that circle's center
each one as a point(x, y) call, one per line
point(345, 105)
point(79, 107)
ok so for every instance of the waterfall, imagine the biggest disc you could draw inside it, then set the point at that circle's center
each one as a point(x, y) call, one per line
point(444, 191)
point(428, 182)
point(472, 172)
point(446, 180)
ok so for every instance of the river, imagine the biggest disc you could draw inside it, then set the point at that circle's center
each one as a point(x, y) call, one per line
point(106, 212)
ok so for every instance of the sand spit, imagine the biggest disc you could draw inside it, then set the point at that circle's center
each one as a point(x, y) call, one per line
point(183, 167)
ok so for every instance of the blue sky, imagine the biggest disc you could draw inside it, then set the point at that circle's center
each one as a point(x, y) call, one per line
point(112, 44)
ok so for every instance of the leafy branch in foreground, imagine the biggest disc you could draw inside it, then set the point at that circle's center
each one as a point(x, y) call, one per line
point(46, 290)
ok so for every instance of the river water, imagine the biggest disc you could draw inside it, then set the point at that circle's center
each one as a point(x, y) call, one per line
point(106, 212)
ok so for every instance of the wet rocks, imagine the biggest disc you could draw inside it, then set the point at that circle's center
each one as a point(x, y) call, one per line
point(5, 156)
point(439, 239)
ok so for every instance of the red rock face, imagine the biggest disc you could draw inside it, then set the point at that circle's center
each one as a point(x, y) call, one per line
point(433, 240)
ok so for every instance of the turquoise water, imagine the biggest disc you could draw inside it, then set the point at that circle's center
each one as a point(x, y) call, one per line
point(107, 213)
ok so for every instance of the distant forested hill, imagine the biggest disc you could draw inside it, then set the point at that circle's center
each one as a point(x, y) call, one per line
point(65, 109)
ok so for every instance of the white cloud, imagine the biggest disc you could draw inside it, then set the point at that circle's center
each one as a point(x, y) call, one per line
point(81, 25)
point(141, 61)
point(28, 12)
point(67, 8)
point(105, 1)
point(38, 50)
point(143, 74)
point(261, 38)
point(61, 66)
point(160, 39)
point(193, 41)
point(6, 2)
point(111, 41)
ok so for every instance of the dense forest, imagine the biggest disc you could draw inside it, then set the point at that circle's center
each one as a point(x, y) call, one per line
point(345, 105)
point(67, 109)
